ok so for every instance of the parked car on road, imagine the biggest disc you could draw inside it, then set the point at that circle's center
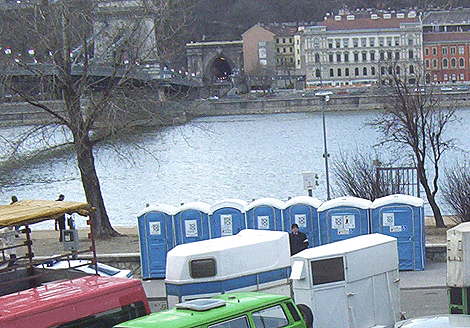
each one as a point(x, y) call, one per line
point(87, 266)
point(462, 88)
point(436, 321)
point(446, 88)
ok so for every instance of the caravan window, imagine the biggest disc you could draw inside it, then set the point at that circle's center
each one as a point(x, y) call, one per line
point(202, 268)
point(241, 322)
point(327, 270)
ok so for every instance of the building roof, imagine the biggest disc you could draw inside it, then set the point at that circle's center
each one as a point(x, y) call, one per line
point(446, 37)
point(447, 17)
point(360, 22)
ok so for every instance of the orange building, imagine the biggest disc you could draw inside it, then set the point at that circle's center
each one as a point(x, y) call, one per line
point(446, 57)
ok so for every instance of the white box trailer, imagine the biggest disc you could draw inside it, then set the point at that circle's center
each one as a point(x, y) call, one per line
point(352, 283)
point(252, 260)
point(458, 256)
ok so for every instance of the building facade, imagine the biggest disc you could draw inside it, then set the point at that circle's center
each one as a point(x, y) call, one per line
point(361, 49)
point(446, 46)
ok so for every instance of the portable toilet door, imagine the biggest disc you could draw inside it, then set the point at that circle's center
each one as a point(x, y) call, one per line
point(303, 211)
point(402, 217)
point(191, 222)
point(343, 218)
point(265, 214)
point(155, 238)
point(227, 217)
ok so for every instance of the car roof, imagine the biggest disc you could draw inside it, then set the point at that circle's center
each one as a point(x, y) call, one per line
point(436, 321)
point(236, 304)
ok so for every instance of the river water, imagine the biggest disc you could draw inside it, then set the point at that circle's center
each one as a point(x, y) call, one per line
point(211, 159)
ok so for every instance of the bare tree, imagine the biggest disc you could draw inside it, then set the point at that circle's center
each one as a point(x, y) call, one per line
point(356, 175)
point(92, 64)
point(456, 190)
point(415, 120)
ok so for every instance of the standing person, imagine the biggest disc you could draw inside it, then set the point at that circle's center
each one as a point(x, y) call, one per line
point(60, 221)
point(14, 199)
point(298, 240)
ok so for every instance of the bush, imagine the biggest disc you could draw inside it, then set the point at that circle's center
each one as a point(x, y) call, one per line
point(456, 191)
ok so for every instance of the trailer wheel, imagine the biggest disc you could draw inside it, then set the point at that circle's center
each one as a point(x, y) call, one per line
point(307, 314)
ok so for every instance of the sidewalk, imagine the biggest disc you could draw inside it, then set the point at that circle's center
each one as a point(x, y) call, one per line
point(434, 276)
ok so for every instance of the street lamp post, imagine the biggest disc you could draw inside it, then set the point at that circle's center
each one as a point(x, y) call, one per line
point(324, 98)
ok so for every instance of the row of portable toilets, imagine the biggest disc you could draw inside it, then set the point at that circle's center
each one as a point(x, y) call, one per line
point(162, 227)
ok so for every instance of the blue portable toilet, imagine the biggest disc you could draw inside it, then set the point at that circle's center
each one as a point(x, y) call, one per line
point(191, 222)
point(227, 217)
point(265, 214)
point(156, 239)
point(303, 211)
point(402, 217)
point(343, 218)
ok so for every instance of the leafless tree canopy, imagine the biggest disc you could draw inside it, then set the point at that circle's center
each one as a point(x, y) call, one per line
point(456, 190)
point(105, 42)
point(415, 120)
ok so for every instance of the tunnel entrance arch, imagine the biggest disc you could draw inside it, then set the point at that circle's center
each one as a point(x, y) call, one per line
point(220, 69)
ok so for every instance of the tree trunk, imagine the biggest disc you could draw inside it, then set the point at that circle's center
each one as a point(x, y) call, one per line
point(430, 197)
point(101, 225)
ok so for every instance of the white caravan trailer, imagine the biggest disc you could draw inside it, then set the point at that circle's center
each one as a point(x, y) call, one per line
point(351, 283)
point(252, 260)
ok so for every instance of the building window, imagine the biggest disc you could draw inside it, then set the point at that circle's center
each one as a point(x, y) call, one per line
point(410, 54)
point(382, 70)
point(356, 71)
point(372, 56)
point(410, 40)
point(339, 71)
point(317, 58)
point(382, 55)
point(364, 42)
point(445, 77)
point(397, 70)
point(332, 72)
point(283, 40)
point(346, 57)
point(291, 50)
point(390, 55)
point(445, 63)
point(356, 57)
point(397, 55)
point(330, 44)
point(426, 51)
point(317, 72)
point(278, 40)
point(364, 71)
point(434, 63)
point(397, 41)
point(364, 56)
point(290, 40)
point(338, 58)
point(390, 70)
point(381, 42)
point(452, 50)
point(426, 63)
point(355, 43)
point(285, 50)
point(444, 50)
point(434, 77)
point(462, 77)
point(346, 71)
point(389, 41)
point(338, 43)
point(372, 70)
point(330, 58)
point(434, 51)
point(461, 50)
point(371, 42)
point(453, 63)
point(278, 49)
point(461, 62)
point(345, 43)
point(412, 69)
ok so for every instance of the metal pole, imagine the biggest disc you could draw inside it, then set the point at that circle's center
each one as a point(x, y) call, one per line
point(325, 154)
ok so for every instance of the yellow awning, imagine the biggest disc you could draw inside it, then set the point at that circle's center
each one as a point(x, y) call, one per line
point(33, 211)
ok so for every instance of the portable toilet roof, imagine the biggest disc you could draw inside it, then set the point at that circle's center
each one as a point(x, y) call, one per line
point(304, 200)
point(163, 208)
point(233, 203)
point(397, 199)
point(235, 256)
point(348, 201)
point(198, 206)
point(273, 202)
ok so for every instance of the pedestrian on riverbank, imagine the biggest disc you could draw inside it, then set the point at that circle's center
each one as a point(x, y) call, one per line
point(14, 199)
point(297, 239)
point(60, 221)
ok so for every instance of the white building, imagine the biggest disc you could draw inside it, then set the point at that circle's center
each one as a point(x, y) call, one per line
point(362, 48)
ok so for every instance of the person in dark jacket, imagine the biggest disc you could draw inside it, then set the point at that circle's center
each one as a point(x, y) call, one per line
point(298, 240)
point(60, 221)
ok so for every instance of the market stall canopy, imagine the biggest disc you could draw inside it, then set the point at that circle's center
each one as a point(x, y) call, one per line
point(32, 211)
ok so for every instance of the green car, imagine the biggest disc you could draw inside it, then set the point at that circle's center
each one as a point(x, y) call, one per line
point(235, 310)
